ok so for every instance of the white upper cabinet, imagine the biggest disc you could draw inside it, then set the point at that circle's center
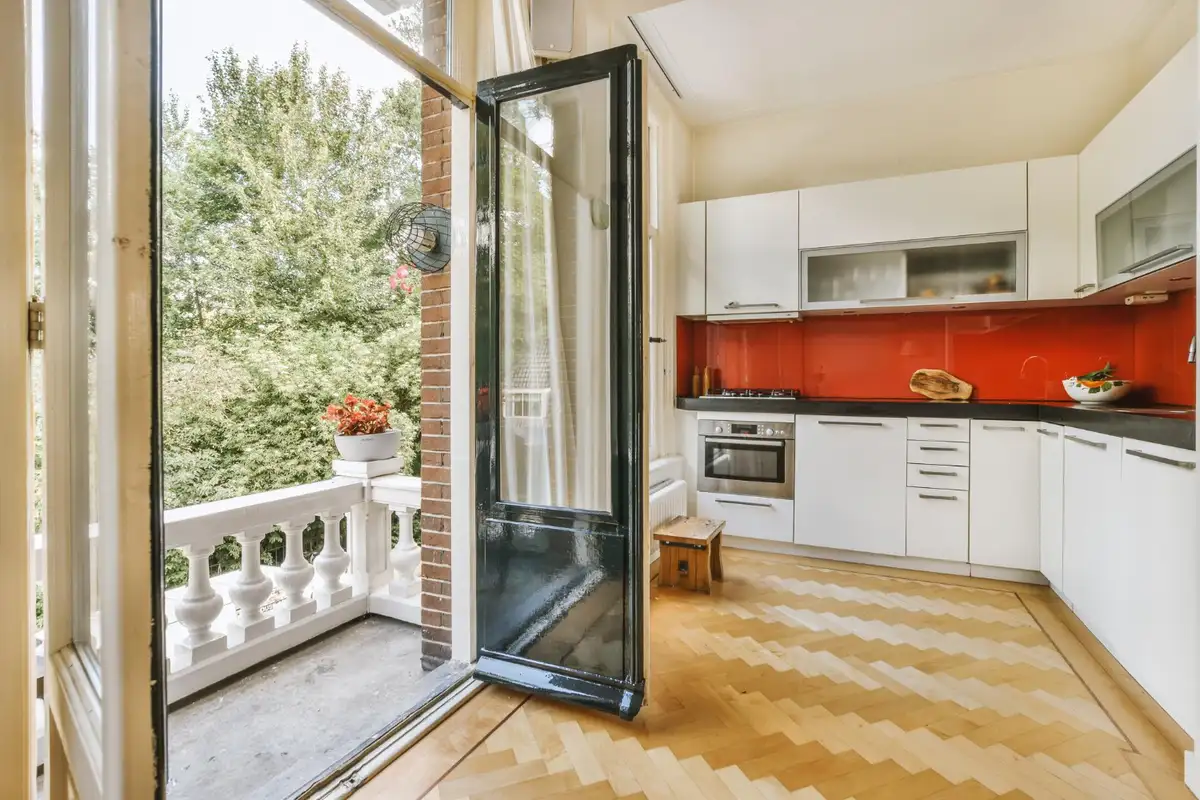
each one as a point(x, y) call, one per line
point(689, 278)
point(1156, 127)
point(961, 202)
point(753, 263)
point(1053, 228)
point(1004, 494)
point(850, 483)
point(1050, 501)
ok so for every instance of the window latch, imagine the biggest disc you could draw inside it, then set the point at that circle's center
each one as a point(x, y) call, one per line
point(37, 324)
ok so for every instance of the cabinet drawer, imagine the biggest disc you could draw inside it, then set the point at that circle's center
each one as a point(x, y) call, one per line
point(751, 517)
point(921, 429)
point(936, 476)
point(937, 524)
point(956, 454)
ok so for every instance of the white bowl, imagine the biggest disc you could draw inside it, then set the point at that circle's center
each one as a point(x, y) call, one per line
point(1110, 392)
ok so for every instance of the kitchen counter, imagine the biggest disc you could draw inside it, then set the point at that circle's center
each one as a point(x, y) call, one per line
point(1167, 425)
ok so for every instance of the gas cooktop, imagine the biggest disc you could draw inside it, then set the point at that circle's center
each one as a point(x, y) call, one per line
point(766, 394)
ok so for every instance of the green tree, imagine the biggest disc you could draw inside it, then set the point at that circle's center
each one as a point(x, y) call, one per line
point(276, 300)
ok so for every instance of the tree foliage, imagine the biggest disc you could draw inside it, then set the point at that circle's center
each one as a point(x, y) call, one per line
point(276, 299)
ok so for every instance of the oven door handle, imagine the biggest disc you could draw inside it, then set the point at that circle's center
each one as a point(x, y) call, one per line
point(725, 502)
point(747, 440)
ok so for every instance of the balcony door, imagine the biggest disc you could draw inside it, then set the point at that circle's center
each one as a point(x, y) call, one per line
point(561, 589)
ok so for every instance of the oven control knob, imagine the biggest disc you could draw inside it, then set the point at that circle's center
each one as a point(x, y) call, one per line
point(768, 432)
point(719, 429)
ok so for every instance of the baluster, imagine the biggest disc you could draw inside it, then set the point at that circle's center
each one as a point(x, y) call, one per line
point(405, 558)
point(331, 564)
point(293, 577)
point(197, 610)
point(250, 591)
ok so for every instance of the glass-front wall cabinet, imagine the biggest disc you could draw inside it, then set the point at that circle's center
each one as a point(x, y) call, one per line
point(968, 269)
point(1153, 226)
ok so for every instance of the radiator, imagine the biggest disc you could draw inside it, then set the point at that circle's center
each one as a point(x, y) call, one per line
point(667, 501)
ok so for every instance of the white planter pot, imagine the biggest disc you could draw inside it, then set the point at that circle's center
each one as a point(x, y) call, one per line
point(368, 447)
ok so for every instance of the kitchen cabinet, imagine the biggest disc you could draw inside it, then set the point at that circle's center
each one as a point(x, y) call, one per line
point(966, 269)
point(954, 454)
point(1004, 494)
point(1091, 499)
point(1053, 237)
point(752, 260)
point(690, 301)
point(961, 202)
point(1050, 501)
point(764, 518)
point(937, 522)
point(1156, 632)
point(1154, 129)
point(850, 483)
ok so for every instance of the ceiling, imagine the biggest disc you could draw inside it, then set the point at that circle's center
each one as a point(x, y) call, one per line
point(739, 58)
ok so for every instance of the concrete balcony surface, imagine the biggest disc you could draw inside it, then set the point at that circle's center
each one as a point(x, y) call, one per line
point(271, 731)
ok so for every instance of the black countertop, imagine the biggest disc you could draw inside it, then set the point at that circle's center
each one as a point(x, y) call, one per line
point(1167, 425)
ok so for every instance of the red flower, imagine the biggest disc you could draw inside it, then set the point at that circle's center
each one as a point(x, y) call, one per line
point(358, 416)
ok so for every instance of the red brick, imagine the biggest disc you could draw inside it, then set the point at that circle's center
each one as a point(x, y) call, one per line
point(435, 540)
point(438, 185)
point(435, 394)
point(435, 411)
point(438, 572)
point(434, 297)
point(435, 346)
point(436, 280)
point(434, 588)
point(440, 508)
point(434, 522)
point(432, 313)
point(439, 444)
point(435, 427)
point(435, 122)
point(436, 603)
point(436, 154)
point(434, 458)
point(434, 618)
point(431, 330)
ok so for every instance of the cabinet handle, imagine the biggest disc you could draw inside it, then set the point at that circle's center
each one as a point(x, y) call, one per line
point(1084, 287)
point(732, 304)
point(1045, 432)
point(844, 422)
point(939, 473)
point(899, 300)
point(1148, 261)
point(1088, 442)
point(1004, 427)
point(1160, 460)
point(743, 503)
point(937, 497)
point(939, 424)
point(940, 449)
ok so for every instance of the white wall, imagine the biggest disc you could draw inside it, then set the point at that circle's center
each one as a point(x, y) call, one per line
point(1048, 110)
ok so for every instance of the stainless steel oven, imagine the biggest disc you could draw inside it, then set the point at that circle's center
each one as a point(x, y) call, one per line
point(750, 458)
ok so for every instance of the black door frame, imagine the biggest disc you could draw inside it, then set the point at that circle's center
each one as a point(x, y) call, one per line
point(622, 68)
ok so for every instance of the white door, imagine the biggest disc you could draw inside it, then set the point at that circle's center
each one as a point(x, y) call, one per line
point(1050, 501)
point(753, 257)
point(1004, 494)
point(105, 678)
point(850, 483)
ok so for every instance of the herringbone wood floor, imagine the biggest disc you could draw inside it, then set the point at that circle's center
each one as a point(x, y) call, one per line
point(804, 682)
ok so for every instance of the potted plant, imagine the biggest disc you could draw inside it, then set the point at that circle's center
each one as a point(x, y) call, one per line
point(363, 432)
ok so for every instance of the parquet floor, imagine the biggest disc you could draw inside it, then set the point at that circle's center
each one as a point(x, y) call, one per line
point(793, 681)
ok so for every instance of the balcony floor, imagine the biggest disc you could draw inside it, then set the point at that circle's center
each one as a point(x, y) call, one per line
point(268, 733)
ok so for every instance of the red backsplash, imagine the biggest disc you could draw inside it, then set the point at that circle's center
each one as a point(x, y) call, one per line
point(1007, 355)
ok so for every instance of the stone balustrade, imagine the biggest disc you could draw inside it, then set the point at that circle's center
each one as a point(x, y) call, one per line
point(222, 625)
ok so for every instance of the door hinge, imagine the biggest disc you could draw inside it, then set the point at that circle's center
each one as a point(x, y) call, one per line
point(37, 323)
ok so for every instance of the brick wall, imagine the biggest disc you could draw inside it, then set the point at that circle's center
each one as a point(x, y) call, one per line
point(435, 368)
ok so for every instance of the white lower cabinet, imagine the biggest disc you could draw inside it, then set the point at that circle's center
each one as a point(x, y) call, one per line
point(1156, 632)
point(1091, 510)
point(748, 517)
point(1004, 495)
point(937, 524)
point(1050, 501)
point(850, 483)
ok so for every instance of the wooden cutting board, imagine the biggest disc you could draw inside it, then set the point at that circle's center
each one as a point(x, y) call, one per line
point(937, 384)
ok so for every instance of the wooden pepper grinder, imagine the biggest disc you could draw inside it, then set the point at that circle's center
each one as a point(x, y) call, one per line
point(696, 382)
point(707, 383)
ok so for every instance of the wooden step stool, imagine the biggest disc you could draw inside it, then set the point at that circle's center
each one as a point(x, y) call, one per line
point(690, 553)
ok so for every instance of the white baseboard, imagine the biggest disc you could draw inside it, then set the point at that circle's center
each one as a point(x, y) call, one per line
point(895, 562)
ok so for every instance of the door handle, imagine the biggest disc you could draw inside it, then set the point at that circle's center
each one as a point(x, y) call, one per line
point(1160, 460)
point(743, 503)
point(1045, 432)
point(845, 422)
point(1148, 261)
point(939, 473)
point(937, 497)
point(733, 304)
point(939, 424)
point(1088, 442)
point(1004, 427)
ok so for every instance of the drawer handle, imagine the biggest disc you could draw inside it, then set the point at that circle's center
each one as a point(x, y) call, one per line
point(1160, 460)
point(1045, 432)
point(1088, 442)
point(844, 422)
point(939, 473)
point(1004, 427)
point(939, 424)
point(937, 497)
point(940, 449)
point(743, 503)
point(733, 304)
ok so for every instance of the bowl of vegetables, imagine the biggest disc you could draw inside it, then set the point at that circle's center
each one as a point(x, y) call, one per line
point(1097, 387)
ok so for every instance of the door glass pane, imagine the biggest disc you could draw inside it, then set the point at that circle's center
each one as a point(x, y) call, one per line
point(1114, 237)
point(1164, 210)
point(744, 462)
point(554, 244)
point(956, 270)
point(855, 276)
